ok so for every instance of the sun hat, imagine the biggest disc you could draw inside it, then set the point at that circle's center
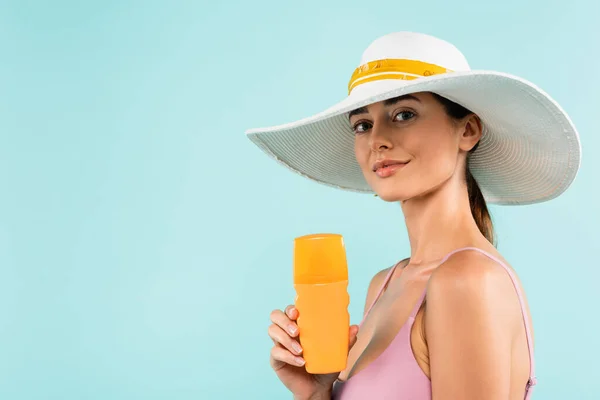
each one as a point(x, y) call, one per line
point(529, 152)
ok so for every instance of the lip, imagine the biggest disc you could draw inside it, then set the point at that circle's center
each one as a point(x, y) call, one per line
point(385, 168)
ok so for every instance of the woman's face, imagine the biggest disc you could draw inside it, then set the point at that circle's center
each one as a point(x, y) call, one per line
point(409, 146)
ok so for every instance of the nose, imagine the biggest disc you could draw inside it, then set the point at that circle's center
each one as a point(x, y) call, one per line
point(380, 138)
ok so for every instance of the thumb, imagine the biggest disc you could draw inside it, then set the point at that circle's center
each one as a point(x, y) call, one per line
point(352, 335)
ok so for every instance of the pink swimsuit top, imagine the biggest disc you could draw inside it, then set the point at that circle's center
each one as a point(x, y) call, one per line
point(395, 373)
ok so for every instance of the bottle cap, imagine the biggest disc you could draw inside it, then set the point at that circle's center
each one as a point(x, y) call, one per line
point(320, 258)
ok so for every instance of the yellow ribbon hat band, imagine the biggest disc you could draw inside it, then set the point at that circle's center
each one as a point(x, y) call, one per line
point(393, 69)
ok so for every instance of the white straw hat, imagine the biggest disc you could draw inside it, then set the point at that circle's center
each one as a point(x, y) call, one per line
point(529, 151)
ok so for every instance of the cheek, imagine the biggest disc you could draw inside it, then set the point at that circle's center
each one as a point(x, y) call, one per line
point(361, 152)
point(437, 154)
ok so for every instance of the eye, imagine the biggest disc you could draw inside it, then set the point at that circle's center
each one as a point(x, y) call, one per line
point(404, 116)
point(361, 127)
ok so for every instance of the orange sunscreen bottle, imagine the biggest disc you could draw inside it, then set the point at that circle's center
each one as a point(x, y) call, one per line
point(321, 283)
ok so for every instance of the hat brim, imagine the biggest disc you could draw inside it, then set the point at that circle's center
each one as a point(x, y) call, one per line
point(529, 152)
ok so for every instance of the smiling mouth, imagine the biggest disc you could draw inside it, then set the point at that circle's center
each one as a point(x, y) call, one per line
point(386, 169)
point(387, 163)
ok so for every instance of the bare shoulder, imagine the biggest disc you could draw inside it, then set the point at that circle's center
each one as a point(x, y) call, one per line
point(474, 327)
point(473, 279)
point(470, 270)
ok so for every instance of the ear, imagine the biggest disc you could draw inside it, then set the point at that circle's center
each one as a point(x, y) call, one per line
point(471, 132)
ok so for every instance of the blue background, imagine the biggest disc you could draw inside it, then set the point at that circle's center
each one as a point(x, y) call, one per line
point(144, 240)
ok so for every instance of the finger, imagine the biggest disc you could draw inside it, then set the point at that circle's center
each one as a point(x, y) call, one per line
point(352, 335)
point(279, 336)
point(280, 357)
point(292, 312)
point(279, 318)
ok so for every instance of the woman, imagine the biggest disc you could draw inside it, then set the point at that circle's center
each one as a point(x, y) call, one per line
point(421, 129)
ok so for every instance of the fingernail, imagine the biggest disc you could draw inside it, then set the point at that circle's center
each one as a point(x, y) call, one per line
point(297, 347)
point(299, 361)
point(293, 329)
point(291, 312)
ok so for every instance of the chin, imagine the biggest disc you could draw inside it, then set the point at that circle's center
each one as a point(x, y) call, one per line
point(391, 195)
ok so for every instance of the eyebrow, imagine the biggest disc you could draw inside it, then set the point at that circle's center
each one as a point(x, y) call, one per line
point(388, 102)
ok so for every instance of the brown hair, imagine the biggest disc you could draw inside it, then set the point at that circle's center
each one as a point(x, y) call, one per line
point(479, 208)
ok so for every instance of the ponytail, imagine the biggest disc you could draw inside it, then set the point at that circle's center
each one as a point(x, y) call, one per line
point(479, 209)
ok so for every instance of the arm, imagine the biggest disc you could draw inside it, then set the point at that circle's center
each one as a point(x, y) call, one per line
point(470, 323)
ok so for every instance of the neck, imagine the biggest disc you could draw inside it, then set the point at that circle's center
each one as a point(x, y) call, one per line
point(440, 222)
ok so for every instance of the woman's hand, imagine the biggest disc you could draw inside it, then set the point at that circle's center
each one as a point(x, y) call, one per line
point(288, 363)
